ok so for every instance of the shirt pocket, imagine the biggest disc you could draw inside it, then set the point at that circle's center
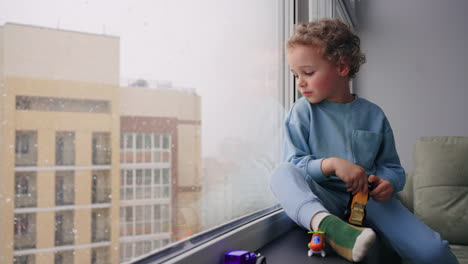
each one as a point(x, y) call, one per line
point(365, 146)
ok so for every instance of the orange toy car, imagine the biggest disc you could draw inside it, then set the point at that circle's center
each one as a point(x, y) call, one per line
point(358, 208)
point(356, 211)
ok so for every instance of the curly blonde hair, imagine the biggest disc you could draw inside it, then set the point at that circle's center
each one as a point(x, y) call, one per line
point(335, 42)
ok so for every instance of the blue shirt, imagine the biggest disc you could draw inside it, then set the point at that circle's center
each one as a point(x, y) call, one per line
point(357, 131)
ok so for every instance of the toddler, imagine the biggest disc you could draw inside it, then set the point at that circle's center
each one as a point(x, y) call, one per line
point(334, 144)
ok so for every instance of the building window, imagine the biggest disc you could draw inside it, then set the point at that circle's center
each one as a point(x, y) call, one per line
point(23, 103)
point(22, 224)
point(100, 188)
point(22, 184)
point(64, 257)
point(54, 104)
point(25, 231)
point(126, 221)
point(26, 148)
point(25, 189)
point(100, 225)
point(101, 148)
point(64, 228)
point(137, 184)
point(25, 259)
point(22, 144)
point(65, 148)
point(64, 188)
point(145, 220)
point(145, 148)
point(100, 255)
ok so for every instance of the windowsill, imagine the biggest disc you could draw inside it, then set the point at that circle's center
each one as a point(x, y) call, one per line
point(274, 236)
point(250, 236)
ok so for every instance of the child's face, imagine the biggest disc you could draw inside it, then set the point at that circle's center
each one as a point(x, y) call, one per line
point(317, 78)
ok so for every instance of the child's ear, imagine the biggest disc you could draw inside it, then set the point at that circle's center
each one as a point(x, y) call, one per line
point(343, 67)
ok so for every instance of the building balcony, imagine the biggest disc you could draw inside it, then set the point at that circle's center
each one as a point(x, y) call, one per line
point(24, 231)
point(25, 241)
point(25, 200)
point(62, 240)
point(61, 199)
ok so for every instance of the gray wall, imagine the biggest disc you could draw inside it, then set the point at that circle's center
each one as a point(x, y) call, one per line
point(417, 67)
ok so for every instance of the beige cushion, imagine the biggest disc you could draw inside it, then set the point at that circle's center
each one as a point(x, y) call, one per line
point(441, 186)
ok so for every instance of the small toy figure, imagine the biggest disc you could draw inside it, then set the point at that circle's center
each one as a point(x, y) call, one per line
point(243, 257)
point(316, 244)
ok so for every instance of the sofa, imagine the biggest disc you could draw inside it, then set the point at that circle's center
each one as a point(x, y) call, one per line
point(436, 191)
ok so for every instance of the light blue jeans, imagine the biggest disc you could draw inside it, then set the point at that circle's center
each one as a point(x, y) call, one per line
point(302, 198)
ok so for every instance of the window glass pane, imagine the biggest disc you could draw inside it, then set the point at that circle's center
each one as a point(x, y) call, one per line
point(65, 148)
point(157, 140)
point(148, 142)
point(157, 176)
point(64, 188)
point(139, 141)
point(129, 141)
point(101, 153)
point(25, 148)
point(157, 156)
point(165, 141)
point(188, 114)
point(25, 189)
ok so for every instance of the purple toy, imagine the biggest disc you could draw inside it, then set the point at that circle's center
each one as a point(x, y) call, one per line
point(243, 257)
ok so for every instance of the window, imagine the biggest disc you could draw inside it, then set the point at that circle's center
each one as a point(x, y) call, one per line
point(26, 148)
point(64, 257)
point(64, 228)
point(22, 184)
point(101, 192)
point(64, 188)
point(25, 259)
point(22, 144)
point(25, 189)
point(101, 148)
point(145, 219)
point(21, 225)
point(100, 230)
point(53, 104)
point(183, 119)
point(25, 231)
point(100, 255)
point(147, 148)
point(65, 148)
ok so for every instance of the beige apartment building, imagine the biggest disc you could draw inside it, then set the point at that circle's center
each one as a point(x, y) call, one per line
point(90, 172)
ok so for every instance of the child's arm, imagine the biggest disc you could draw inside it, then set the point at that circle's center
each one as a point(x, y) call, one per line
point(296, 143)
point(353, 175)
point(387, 162)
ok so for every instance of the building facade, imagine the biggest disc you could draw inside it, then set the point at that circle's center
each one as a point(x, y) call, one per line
point(160, 168)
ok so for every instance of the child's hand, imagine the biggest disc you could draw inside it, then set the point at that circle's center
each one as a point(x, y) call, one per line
point(353, 175)
point(383, 189)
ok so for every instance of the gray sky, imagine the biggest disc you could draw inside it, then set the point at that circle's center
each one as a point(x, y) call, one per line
point(226, 50)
